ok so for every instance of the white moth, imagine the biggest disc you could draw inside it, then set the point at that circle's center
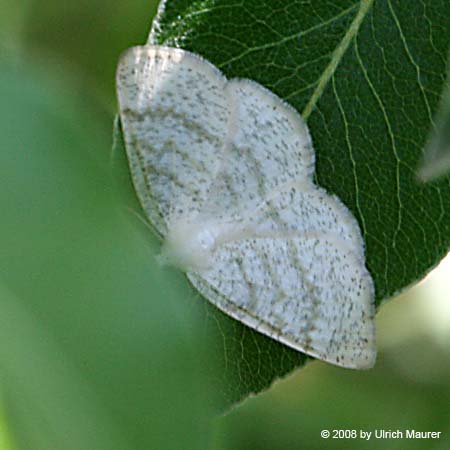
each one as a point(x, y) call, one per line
point(224, 171)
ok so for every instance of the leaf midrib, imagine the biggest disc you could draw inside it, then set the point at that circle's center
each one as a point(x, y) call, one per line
point(336, 57)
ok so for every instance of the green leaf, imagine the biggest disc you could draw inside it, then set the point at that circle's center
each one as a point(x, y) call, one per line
point(100, 348)
point(367, 78)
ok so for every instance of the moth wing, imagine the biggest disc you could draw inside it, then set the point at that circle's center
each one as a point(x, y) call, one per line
point(267, 146)
point(297, 274)
point(174, 115)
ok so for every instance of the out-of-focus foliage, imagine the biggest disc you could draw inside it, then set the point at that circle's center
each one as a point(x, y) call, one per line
point(97, 348)
point(437, 152)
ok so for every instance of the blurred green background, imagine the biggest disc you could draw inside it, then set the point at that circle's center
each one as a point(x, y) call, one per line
point(90, 357)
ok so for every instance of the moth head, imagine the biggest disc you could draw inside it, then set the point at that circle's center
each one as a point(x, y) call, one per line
point(189, 245)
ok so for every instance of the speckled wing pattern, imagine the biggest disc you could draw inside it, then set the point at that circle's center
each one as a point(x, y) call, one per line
point(229, 152)
point(165, 94)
